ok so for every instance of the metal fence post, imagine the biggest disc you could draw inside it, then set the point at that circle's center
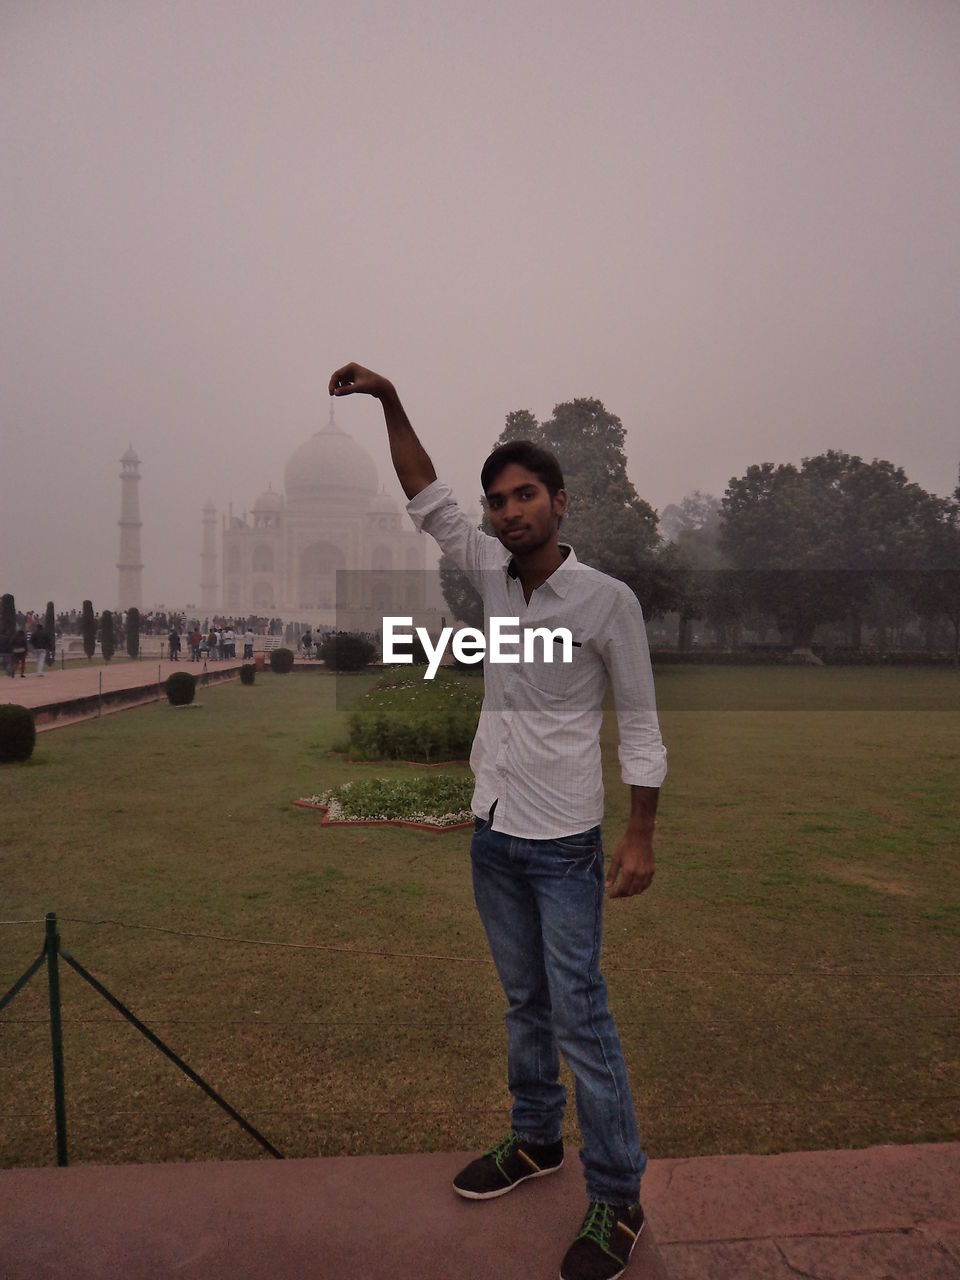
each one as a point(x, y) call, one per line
point(52, 948)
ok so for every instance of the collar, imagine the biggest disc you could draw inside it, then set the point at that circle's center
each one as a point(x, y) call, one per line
point(558, 581)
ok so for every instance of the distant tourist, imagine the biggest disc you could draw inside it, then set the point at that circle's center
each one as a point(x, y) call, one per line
point(174, 645)
point(18, 648)
point(248, 643)
point(213, 644)
point(196, 637)
point(40, 642)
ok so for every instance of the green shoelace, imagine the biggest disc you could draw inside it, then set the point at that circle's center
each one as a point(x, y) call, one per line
point(598, 1224)
point(503, 1149)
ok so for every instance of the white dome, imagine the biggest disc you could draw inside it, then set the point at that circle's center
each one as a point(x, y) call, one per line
point(330, 465)
point(268, 501)
point(383, 504)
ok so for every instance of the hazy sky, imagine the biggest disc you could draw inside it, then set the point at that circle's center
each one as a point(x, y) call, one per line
point(734, 221)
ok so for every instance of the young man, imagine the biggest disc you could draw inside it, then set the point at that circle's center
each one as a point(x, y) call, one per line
point(536, 852)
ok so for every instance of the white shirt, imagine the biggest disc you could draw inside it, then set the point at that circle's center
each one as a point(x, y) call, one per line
point(537, 746)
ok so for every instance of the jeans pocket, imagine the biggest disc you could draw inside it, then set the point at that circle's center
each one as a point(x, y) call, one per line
point(581, 845)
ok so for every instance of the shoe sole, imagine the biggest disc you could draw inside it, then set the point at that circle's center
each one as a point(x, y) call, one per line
point(503, 1191)
point(629, 1255)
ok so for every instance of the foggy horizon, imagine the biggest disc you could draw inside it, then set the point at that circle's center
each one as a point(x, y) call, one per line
point(736, 226)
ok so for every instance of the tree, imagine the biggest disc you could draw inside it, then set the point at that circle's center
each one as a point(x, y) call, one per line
point(706, 585)
point(88, 625)
point(933, 587)
point(106, 635)
point(50, 627)
point(461, 596)
point(520, 425)
point(812, 541)
point(8, 614)
point(610, 526)
point(133, 632)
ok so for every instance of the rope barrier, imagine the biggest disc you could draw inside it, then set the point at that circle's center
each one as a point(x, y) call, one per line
point(854, 1019)
point(847, 975)
point(292, 946)
point(454, 1109)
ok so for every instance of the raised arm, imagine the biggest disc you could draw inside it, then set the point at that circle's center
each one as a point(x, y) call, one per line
point(410, 460)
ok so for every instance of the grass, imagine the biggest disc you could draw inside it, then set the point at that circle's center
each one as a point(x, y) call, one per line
point(789, 982)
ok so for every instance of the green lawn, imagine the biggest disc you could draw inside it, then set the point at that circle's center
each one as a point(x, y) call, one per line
point(790, 981)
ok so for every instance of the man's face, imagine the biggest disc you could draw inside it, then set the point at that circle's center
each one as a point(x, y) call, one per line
point(523, 515)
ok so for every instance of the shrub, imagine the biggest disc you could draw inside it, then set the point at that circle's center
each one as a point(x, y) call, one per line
point(181, 687)
point(346, 651)
point(89, 628)
point(247, 673)
point(281, 661)
point(415, 719)
point(133, 632)
point(18, 733)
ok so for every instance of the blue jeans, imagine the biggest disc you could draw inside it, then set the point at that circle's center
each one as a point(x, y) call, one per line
point(541, 903)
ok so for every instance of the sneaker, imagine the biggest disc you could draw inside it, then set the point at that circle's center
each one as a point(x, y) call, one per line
point(602, 1249)
point(505, 1166)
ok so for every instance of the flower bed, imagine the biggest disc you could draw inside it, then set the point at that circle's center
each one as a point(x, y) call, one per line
point(440, 802)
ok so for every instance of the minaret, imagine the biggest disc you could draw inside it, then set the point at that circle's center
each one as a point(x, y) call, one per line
point(129, 566)
point(208, 559)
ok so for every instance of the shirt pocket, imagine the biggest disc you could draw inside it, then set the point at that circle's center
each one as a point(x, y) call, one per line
point(556, 679)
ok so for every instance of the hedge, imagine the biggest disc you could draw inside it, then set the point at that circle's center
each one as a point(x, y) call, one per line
point(181, 687)
point(346, 651)
point(409, 718)
point(281, 661)
point(18, 733)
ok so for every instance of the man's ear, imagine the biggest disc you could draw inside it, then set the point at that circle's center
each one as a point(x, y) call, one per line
point(560, 503)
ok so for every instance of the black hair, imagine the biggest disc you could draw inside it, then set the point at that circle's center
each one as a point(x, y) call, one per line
point(524, 453)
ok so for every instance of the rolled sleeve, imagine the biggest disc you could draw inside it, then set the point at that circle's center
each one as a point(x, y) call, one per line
point(626, 655)
point(435, 511)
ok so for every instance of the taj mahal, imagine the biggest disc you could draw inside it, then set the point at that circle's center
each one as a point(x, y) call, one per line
point(283, 557)
point(332, 549)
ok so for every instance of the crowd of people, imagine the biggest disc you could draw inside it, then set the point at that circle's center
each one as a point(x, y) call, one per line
point(15, 645)
point(214, 644)
point(213, 640)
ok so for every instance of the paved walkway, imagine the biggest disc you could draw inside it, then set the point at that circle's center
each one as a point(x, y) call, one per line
point(81, 690)
point(878, 1214)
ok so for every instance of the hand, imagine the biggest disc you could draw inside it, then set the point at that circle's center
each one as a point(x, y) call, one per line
point(353, 379)
point(632, 865)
